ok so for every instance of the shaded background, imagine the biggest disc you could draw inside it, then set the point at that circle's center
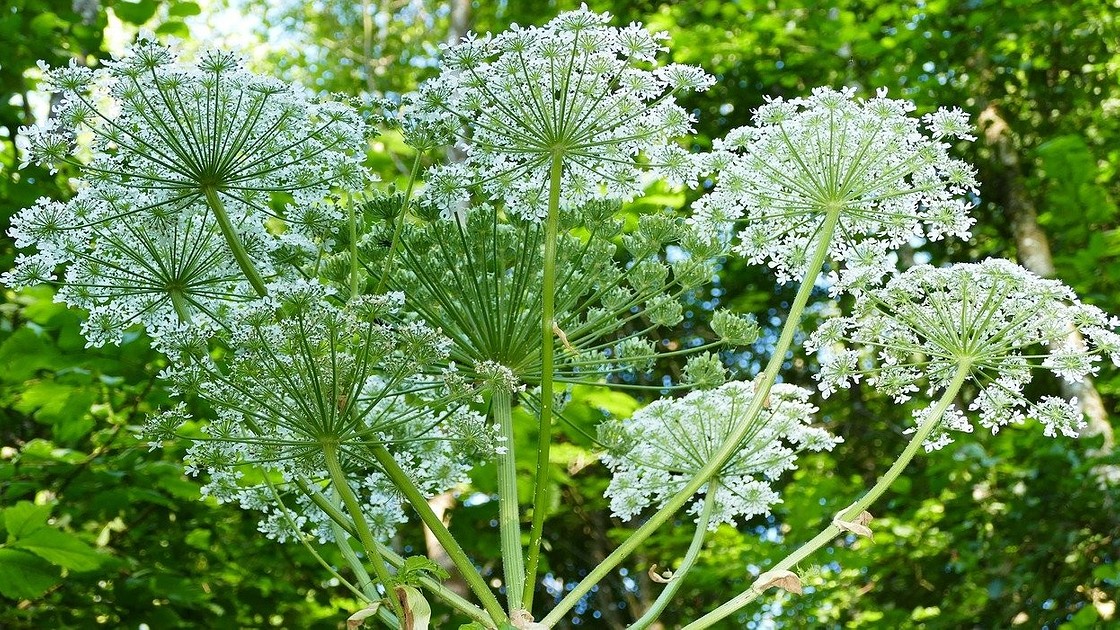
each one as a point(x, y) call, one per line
point(1011, 530)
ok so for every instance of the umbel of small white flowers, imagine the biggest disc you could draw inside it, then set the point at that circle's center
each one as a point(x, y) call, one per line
point(995, 318)
point(861, 174)
point(304, 380)
point(575, 98)
point(477, 279)
point(654, 453)
point(182, 165)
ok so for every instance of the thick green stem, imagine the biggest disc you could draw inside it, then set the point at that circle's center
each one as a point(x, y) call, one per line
point(690, 556)
point(731, 444)
point(355, 265)
point(399, 224)
point(433, 586)
point(509, 514)
point(852, 512)
point(548, 323)
point(365, 582)
point(342, 487)
point(366, 592)
point(454, 551)
point(182, 309)
point(233, 241)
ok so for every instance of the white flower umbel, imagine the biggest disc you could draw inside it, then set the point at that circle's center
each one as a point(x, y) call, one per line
point(886, 173)
point(306, 380)
point(575, 91)
point(175, 158)
point(126, 264)
point(995, 318)
point(657, 451)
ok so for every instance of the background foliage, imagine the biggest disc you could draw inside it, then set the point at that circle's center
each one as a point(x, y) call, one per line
point(95, 530)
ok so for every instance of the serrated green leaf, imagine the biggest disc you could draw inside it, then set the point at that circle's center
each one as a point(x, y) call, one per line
point(179, 487)
point(46, 450)
point(70, 430)
point(25, 576)
point(416, 566)
point(24, 518)
point(198, 538)
point(52, 402)
point(61, 548)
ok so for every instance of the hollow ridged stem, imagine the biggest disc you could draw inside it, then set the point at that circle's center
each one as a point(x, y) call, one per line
point(394, 245)
point(365, 582)
point(454, 551)
point(731, 444)
point(548, 317)
point(509, 514)
point(366, 591)
point(342, 487)
point(851, 512)
point(233, 241)
point(182, 310)
point(690, 556)
point(431, 585)
point(355, 265)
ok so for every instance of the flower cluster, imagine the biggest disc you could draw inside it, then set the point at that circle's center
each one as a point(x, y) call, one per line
point(994, 317)
point(477, 279)
point(575, 92)
point(657, 451)
point(887, 175)
point(303, 375)
point(127, 264)
point(188, 169)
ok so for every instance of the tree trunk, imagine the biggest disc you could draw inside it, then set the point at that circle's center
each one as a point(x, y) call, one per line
point(1034, 254)
point(441, 504)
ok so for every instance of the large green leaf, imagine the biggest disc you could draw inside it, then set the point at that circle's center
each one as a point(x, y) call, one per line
point(53, 402)
point(184, 9)
point(24, 353)
point(135, 12)
point(24, 518)
point(24, 576)
point(61, 548)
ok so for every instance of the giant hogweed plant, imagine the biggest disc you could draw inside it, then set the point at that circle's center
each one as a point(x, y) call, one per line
point(359, 350)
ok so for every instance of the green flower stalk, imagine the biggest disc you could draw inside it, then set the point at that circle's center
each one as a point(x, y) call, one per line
point(478, 280)
point(557, 116)
point(827, 177)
